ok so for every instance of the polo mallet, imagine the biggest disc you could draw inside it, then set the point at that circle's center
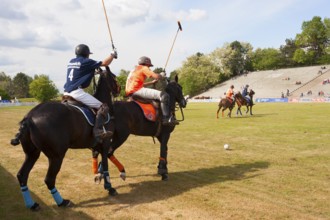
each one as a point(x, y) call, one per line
point(179, 29)
point(106, 17)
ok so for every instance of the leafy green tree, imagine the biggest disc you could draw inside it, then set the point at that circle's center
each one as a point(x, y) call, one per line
point(43, 89)
point(198, 74)
point(313, 38)
point(4, 95)
point(325, 58)
point(304, 58)
point(21, 85)
point(121, 78)
point(6, 85)
point(265, 59)
point(287, 53)
point(234, 58)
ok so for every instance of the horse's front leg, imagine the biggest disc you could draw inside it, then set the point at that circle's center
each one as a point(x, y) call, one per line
point(96, 167)
point(106, 175)
point(238, 111)
point(162, 165)
point(251, 110)
point(247, 109)
point(119, 166)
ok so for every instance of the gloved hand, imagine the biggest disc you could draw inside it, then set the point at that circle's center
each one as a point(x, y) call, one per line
point(114, 54)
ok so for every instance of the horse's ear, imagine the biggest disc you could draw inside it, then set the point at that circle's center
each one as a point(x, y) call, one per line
point(108, 69)
point(176, 78)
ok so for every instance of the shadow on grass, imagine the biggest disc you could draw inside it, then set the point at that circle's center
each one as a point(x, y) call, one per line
point(179, 183)
point(244, 116)
point(13, 207)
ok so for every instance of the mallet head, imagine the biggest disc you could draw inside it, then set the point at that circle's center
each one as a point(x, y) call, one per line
point(180, 27)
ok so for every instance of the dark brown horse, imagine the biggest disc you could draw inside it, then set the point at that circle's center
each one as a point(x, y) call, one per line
point(244, 101)
point(224, 104)
point(53, 128)
point(130, 120)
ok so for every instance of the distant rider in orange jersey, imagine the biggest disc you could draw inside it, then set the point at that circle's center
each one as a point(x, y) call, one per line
point(230, 93)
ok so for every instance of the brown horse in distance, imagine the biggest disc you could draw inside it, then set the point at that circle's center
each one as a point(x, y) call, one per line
point(224, 104)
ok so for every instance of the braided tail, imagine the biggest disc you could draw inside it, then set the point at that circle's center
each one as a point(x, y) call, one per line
point(21, 130)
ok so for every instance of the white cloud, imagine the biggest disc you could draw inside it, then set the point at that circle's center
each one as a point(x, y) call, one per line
point(129, 12)
point(38, 37)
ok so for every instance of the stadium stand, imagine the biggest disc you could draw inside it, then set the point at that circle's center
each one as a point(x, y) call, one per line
point(272, 83)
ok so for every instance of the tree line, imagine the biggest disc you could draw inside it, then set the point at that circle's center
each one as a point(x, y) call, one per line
point(200, 72)
point(23, 86)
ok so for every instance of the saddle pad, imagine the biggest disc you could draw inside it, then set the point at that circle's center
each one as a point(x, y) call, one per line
point(148, 110)
point(89, 114)
point(248, 100)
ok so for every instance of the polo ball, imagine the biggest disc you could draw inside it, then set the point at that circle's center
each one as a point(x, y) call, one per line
point(226, 146)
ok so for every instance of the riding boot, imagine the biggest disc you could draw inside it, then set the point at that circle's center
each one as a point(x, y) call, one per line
point(165, 107)
point(99, 131)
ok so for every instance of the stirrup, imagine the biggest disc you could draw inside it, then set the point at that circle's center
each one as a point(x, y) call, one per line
point(170, 121)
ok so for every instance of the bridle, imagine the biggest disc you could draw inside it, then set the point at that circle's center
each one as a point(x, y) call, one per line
point(180, 104)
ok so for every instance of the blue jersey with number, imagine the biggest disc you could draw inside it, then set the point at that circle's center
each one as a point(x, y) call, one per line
point(80, 73)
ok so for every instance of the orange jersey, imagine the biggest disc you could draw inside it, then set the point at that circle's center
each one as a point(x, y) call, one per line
point(136, 77)
point(229, 93)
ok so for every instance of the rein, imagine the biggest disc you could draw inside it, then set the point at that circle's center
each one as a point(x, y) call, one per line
point(176, 109)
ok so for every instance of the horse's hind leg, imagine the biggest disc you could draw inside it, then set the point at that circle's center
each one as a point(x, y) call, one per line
point(31, 156)
point(53, 169)
point(218, 111)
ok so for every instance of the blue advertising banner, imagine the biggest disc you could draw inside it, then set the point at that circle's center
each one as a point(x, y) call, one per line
point(272, 100)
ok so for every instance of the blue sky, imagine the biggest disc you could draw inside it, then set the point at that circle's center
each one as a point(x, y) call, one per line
point(38, 37)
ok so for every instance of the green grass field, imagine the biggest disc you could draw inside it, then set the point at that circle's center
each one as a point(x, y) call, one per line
point(278, 168)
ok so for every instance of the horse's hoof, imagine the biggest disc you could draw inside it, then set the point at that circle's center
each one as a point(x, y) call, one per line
point(113, 192)
point(162, 168)
point(35, 207)
point(123, 175)
point(65, 203)
point(162, 171)
point(165, 177)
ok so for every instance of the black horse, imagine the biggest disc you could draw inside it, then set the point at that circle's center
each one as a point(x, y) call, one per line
point(247, 101)
point(132, 121)
point(53, 128)
point(224, 104)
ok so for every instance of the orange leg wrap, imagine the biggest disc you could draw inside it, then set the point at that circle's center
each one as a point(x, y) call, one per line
point(117, 163)
point(94, 165)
